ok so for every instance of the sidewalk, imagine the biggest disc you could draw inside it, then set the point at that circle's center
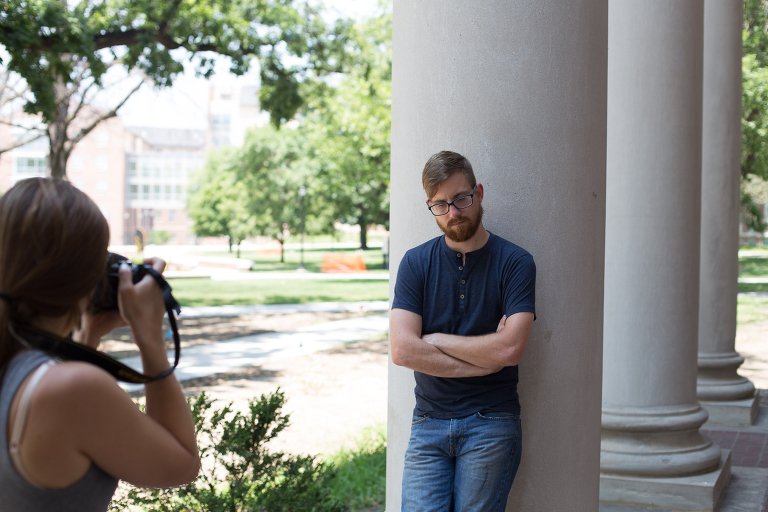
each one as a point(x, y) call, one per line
point(223, 356)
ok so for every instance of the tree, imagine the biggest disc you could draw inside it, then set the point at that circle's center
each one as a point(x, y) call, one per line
point(217, 201)
point(273, 165)
point(351, 132)
point(754, 135)
point(754, 122)
point(254, 190)
point(63, 49)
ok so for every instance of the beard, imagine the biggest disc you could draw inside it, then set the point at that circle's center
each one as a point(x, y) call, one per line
point(465, 231)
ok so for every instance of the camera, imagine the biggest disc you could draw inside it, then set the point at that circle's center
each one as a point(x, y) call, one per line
point(105, 296)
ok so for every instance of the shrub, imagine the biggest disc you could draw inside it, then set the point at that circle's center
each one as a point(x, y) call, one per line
point(238, 473)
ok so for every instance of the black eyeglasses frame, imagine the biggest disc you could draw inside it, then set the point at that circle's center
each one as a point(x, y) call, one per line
point(471, 194)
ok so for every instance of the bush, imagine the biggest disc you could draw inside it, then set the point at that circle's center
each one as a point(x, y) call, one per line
point(238, 473)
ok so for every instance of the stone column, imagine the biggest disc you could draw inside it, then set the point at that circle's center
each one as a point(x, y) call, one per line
point(728, 397)
point(520, 89)
point(652, 449)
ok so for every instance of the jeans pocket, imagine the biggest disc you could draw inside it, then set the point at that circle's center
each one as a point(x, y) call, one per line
point(497, 416)
point(418, 420)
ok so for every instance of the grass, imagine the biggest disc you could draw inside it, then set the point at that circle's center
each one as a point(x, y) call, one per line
point(313, 259)
point(360, 481)
point(753, 266)
point(751, 310)
point(204, 292)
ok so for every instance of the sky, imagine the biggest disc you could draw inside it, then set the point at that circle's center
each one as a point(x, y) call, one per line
point(184, 105)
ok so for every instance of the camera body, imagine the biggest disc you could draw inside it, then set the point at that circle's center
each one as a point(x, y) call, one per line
point(105, 296)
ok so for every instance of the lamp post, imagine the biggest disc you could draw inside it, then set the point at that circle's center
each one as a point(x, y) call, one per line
point(302, 193)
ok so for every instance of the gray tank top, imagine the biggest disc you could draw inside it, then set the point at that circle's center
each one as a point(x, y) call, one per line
point(92, 493)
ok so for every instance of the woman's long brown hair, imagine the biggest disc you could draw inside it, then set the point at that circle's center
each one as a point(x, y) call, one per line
point(53, 251)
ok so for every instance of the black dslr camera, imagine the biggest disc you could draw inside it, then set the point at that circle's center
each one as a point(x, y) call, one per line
point(105, 296)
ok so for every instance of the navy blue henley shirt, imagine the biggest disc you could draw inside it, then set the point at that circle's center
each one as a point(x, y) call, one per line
point(466, 299)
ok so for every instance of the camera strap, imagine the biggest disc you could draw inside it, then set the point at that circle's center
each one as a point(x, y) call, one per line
point(69, 350)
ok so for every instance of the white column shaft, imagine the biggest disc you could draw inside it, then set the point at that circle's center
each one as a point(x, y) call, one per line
point(520, 89)
point(721, 160)
point(650, 413)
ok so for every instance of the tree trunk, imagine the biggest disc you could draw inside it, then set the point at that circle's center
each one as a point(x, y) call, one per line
point(238, 249)
point(61, 146)
point(230, 244)
point(363, 232)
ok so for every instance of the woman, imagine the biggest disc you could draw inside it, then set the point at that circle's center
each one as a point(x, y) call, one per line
point(70, 432)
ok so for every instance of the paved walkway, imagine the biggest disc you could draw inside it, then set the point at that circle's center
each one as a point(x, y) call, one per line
point(230, 274)
point(223, 356)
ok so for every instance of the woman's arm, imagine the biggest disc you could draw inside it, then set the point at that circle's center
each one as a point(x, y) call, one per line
point(79, 414)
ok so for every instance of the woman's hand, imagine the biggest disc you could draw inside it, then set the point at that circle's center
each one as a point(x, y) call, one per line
point(142, 306)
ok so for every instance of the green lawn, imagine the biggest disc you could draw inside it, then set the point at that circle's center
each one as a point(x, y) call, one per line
point(750, 310)
point(313, 259)
point(360, 481)
point(205, 292)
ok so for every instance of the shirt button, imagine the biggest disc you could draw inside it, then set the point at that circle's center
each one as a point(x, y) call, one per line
point(463, 281)
point(458, 255)
point(461, 268)
point(462, 296)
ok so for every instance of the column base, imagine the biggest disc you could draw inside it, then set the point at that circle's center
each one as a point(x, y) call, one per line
point(701, 493)
point(734, 412)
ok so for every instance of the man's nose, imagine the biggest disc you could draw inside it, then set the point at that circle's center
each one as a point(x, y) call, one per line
point(453, 211)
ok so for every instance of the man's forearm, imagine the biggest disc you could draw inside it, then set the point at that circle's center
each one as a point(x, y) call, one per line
point(425, 358)
point(496, 350)
point(476, 350)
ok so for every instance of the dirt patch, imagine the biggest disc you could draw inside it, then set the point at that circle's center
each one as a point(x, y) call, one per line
point(752, 344)
point(331, 396)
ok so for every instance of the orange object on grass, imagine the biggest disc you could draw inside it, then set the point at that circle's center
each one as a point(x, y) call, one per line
point(343, 262)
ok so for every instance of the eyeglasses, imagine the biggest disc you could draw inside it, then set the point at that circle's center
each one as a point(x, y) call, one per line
point(459, 203)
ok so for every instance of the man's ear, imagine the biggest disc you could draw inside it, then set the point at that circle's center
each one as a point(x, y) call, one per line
point(479, 192)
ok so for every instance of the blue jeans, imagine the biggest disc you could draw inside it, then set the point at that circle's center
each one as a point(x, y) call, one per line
point(461, 465)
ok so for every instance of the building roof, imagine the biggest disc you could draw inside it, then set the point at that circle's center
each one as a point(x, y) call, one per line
point(169, 137)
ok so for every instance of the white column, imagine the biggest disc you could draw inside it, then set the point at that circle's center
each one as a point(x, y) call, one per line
point(651, 418)
point(520, 89)
point(728, 397)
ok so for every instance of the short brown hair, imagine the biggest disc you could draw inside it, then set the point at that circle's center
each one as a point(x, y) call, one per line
point(442, 166)
point(53, 251)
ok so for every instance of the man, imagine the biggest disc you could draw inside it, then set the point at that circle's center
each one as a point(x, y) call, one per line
point(461, 317)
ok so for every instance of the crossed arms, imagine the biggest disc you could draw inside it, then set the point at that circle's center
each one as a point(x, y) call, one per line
point(448, 355)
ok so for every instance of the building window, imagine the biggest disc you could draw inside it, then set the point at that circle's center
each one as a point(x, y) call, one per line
point(168, 192)
point(101, 186)
point(220, 130)
point(171, 215)
point(156, 192)
point(31, 166)
point(145, 191)
point(132, 169)
point(179, 192)
point(145, 169)
point(76, 163)
point(134, 191)
point(102, 163)
point(102, 138)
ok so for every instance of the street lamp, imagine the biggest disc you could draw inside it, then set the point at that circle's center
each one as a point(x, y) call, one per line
point(302, 193)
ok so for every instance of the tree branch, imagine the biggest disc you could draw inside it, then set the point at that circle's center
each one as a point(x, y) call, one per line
point(112, 113)
point(21, 143)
